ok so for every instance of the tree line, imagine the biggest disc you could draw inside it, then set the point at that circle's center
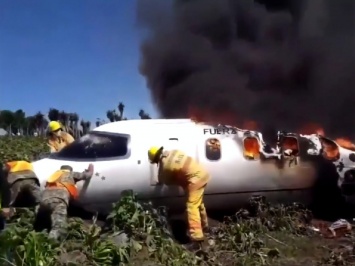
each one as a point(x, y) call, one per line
point(18, 123)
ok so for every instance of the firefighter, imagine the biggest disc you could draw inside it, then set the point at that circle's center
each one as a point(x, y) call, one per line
point(176, 168)
point(5, 197)
point(58, 138)
point(59, 190)
point(21, 178)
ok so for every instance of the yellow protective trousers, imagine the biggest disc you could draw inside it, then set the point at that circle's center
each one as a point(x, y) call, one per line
point(196, 211)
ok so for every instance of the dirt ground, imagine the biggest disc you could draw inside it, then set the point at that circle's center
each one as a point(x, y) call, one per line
point(302, 250)
point(320, 249)
point(293, 250)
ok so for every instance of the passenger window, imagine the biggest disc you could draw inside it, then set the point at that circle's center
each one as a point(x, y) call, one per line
point(251, 148)
point(95, 145)
point(290, 146)
point(330, 149)
point(213, 149)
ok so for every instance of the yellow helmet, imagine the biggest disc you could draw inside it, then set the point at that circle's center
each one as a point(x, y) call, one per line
point(152, 153)
point(54, 126)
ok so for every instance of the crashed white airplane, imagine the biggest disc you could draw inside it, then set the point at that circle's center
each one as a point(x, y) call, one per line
point(241, 164)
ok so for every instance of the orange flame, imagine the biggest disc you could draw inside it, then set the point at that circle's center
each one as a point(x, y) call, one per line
point(313, 128)
point(251, 148)
point(345, 143)
point(229, 118)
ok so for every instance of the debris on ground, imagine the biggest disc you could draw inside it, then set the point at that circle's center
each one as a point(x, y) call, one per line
point(336, 229)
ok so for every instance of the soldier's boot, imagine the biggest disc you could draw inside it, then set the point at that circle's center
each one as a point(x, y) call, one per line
point(208, 232)
point(194, 245)
point(54, 234)
point(36, 209)
point(198, 248)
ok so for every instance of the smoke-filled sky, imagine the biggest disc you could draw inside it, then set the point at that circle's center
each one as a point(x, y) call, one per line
point(282, 68)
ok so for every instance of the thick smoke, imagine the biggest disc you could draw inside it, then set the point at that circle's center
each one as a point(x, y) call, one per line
point(281, 68)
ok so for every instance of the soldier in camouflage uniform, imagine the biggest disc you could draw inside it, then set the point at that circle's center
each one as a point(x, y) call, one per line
point(5, 197)
point(21, 178)
point(59, 190)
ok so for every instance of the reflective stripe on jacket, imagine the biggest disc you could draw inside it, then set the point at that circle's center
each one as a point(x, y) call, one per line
point(19, 166)
point(58, 143)
point(177, 168)
point(63, 179)
point(72, 189)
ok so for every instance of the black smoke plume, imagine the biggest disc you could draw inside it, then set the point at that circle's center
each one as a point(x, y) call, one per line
point(280, 63)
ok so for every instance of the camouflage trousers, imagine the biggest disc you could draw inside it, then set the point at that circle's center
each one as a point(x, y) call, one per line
point(22, 185)
point(2, 223)
point(58, 210)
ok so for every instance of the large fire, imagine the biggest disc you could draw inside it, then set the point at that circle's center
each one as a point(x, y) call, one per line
point(228, 118)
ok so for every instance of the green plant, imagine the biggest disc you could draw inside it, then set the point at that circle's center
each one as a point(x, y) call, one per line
point(148, 227)
point(241, 239)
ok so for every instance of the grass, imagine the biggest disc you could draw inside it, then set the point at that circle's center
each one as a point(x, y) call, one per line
point(259, 235)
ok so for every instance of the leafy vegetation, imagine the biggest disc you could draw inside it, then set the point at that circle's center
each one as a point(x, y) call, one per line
point(138, 234)
point(22, 147)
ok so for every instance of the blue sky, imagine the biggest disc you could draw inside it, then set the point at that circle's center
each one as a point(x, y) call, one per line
point(80, 56)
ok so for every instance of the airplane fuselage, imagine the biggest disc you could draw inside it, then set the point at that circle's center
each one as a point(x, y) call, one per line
point(240, 163)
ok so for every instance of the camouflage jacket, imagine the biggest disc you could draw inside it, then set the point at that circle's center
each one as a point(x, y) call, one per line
point(13, 177)
point(61, 192)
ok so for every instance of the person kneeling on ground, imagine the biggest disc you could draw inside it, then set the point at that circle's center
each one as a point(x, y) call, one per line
point(59, 190)
point(21, 178)
point(5, 198)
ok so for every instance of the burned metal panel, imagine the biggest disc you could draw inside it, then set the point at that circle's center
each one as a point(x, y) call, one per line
point(330, 150)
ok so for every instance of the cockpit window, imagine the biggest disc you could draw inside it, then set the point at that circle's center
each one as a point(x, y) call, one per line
point(95, 146)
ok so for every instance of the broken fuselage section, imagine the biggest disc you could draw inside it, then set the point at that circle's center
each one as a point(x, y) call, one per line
point(299, 160)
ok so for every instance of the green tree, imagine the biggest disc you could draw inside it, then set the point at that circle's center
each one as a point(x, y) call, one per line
point(121, 108)
point(40, 123)
point(19, 121)
point(7, 119)
point(143, 114)
point(53, 114)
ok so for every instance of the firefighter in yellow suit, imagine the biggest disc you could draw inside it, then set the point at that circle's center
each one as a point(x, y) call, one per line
point(176, 168)
point(58, 138)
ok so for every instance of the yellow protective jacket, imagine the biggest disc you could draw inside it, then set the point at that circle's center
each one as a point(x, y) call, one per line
point(57, 143)
point(20, 170)
point(177, 168)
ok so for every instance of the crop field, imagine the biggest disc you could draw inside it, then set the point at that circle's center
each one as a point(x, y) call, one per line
point(138, 234)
